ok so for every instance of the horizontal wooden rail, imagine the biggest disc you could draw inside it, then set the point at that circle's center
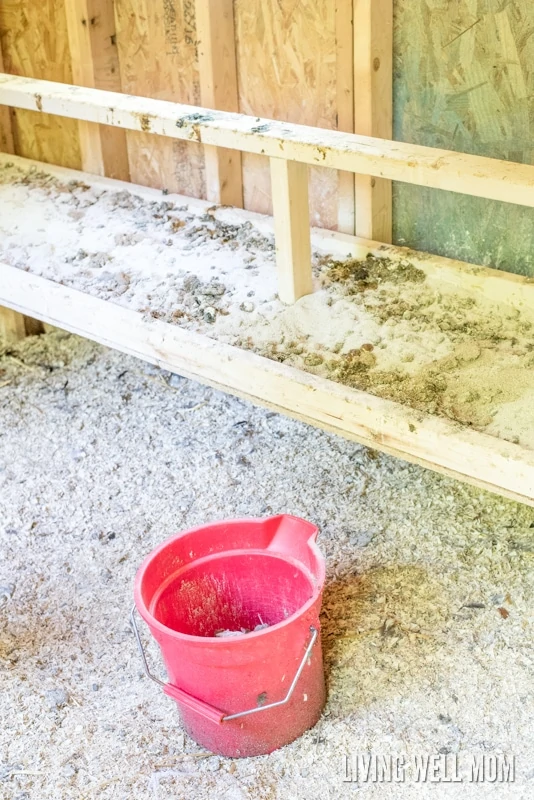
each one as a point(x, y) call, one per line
point(282, 142)
point(433, 442)
point(381, 158)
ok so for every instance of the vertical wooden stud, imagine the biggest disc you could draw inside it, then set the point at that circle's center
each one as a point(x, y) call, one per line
point(13, 326)
point(373, 102)
point(7, 144)
point(289, 188)
point(218, 89)
point(95, 64)
point(345, 108)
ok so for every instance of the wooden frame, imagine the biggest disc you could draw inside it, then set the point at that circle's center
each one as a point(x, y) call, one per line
point(13, 326)
point(437, 443)
point(425, 166)
point(373, 109)
point(95, 63)
point(218, 89)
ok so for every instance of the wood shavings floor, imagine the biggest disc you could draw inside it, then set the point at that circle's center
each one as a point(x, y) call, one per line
point(428, 609)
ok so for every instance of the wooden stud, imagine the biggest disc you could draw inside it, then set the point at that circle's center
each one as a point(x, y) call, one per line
point(373, 108)
point(7, 144)
point(13, 326)
point(345, 109)
point(95, 64)
point(289, 189)
point(218, 89)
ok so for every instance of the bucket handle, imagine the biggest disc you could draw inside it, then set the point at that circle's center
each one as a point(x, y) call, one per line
point(210, 712)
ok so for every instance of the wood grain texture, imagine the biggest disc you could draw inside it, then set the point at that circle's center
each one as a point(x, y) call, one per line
point(12, 325)
point(34, 43)
point(464, 80)
point(157, 50)
point(345, 108)
point(286, 62)
point(95, 63)
point(7, 143)
point(218, 89)
point(373, 109)
point(289, 189)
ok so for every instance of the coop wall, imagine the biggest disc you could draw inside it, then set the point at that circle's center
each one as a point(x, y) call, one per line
point(461, 81)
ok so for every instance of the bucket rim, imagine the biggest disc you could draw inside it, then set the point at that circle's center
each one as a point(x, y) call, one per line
point(226, 641)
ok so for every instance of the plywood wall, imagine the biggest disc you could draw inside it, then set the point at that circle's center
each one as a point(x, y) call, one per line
point(286, 63)
point(464, 80)
point(34, 42)
point(157, 52)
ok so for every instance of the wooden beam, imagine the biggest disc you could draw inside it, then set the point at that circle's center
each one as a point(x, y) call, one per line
point(437, 443)
point(13, 326)
point(289, 189)
point(345, 108)
point(95, 64)
point(7, 143)
point(425, 166)
point(373, 109)
point(218, 89)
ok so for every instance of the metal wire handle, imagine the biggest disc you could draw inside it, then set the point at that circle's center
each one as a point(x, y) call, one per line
point(200, 705)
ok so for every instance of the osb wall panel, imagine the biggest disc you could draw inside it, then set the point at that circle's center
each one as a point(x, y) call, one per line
point(286, 63)
point(464, 80)
point(157, 51)
point(33, 35)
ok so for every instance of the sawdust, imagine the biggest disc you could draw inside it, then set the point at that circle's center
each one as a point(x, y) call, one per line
point(427, 614)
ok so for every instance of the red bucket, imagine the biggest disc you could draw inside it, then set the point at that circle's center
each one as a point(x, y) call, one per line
point(244, 694)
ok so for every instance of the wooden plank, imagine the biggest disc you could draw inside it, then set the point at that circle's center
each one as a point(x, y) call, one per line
point(95, 64)
point(289, 188)
point(424, 166)
point(7, 144)
point(345, 109)
point(373, 109)
point(15, 326)
point(218, 89)
point(156, 40)
point(481, 460)
point(35, 43)
point(12, 325)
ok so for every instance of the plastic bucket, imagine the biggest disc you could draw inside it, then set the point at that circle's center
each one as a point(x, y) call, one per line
point(245, 694)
